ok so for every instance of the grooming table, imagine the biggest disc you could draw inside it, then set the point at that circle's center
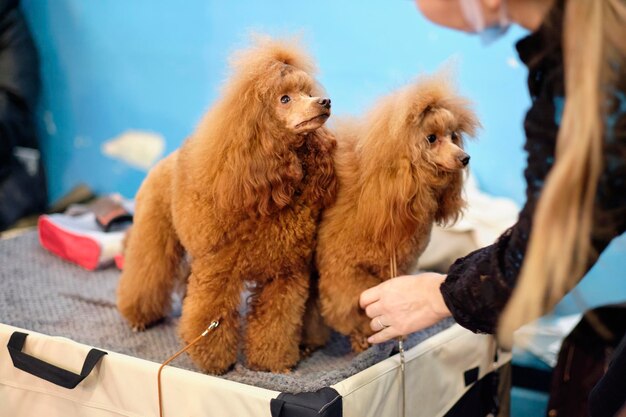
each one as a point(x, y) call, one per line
point(57, 313)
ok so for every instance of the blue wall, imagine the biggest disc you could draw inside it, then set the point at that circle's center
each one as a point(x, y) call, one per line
point(153, 65)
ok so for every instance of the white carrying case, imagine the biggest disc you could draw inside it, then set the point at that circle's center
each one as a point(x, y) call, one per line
point(120, 385)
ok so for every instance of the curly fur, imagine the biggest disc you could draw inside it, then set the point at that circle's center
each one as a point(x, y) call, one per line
point(242, 197)
point(393, 186)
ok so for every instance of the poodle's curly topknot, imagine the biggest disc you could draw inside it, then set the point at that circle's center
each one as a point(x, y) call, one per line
point(256, 70)
point(266, 52)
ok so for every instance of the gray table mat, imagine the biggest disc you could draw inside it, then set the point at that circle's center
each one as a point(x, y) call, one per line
point(45, 294)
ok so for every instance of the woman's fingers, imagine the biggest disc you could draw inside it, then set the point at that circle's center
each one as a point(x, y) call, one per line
point(369, 296)
point(385, 334)
point(374, 309)
point(378, 323)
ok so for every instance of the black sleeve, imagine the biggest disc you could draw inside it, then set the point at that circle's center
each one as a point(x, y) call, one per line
point(19, 81)
point(478, 286)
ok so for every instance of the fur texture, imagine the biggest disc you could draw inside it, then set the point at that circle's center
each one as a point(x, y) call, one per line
point(242, 197)
point(394, 184)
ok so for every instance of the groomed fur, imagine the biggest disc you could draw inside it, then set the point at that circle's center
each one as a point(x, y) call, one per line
point(392, 189)
point(242, 197)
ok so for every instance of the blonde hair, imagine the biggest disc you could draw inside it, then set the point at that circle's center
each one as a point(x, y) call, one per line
point(560, 248)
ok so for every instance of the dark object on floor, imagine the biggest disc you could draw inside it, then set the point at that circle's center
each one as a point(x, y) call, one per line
point(584, 358)
point(111, 214)
point(21, 194)
point(22, 181)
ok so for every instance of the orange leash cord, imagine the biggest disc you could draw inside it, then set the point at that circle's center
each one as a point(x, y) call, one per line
point(212, 326)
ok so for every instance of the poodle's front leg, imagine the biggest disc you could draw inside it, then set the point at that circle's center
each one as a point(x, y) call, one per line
point(315, 332)
point(340, 289)
point(274, 327)
point(213, 293)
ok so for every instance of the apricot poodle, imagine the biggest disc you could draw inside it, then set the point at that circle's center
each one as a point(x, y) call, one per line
point(242, 198)
point(400, 170)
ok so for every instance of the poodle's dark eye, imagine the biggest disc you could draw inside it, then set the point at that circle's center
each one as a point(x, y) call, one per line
point(431, 138)
point(285, 99)
point(454, 136)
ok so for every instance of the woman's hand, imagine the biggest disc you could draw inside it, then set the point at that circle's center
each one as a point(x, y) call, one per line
point(403, 305)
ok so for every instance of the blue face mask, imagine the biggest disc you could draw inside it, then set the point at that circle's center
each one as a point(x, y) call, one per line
point(473, 13)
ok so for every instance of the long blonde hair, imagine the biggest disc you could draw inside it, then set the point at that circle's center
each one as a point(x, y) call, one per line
point(559, 250)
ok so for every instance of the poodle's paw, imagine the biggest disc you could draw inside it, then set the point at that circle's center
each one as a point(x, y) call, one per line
point(142, 327)
point(273, 360)
point(277, 367)
point(309, 345)
point(137, 329)
point(216, 352)
point(216, 370)
point(139, 317)
point(279, 370)
point(212, 361)
point(359, 342)
point(307, 351)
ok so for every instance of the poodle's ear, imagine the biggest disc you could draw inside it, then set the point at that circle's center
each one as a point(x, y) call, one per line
point(386, 206)
point(257, 171)
point(322, 145)
point(268, 177)
point(451, 202)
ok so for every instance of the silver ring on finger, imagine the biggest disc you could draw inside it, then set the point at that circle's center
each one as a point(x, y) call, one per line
point(380, 323)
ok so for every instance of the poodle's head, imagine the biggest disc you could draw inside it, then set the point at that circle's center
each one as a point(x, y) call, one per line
point(433, 121)
point(412, 156)
point(297, 105)
point(443, 131)
point(436, 122)
point(269, 119)
point(274, 81)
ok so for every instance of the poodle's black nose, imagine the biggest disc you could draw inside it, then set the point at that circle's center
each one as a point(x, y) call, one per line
point(324, 102)
point(465, 158)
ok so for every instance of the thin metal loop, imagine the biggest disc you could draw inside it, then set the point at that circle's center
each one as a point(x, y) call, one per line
point(393, 269)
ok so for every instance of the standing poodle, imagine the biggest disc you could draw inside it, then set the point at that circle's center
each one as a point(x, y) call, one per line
point(242, 197)
point(400, 170)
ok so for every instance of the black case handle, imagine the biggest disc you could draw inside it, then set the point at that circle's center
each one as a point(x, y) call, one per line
point(325, 402)
point(45, 370)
